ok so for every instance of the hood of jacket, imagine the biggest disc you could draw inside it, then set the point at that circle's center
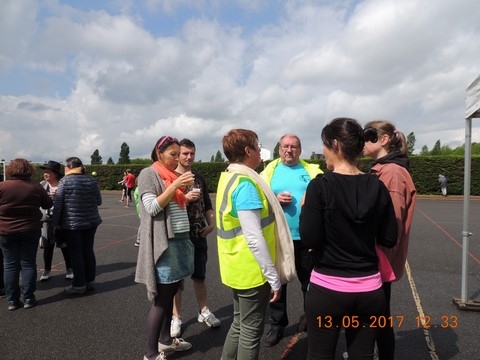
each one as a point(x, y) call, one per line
point(395, 157)
point(358, 194)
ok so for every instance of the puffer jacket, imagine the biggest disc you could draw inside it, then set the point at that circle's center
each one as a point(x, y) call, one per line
point(76, 203)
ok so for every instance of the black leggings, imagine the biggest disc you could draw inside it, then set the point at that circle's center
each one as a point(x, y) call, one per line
point(160, 317)
point(328, 311)
point(386, 336)
point(48, 256)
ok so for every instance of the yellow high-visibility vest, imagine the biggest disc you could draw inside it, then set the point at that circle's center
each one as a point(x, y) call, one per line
point(238, 267)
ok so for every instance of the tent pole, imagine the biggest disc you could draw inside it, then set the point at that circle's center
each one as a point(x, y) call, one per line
point(466, 206)
point(463, 303)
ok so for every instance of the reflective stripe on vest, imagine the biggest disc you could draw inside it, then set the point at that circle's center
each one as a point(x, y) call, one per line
point(234, 232)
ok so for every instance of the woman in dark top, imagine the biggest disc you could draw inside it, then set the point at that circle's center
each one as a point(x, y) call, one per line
point(75, 213)
point(20, 229)
point(345, 214)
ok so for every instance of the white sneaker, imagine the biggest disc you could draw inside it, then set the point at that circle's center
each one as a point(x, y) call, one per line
point(45, 276)
point(178, 344)
point(175, 327)
point(208, 318)
point(160, 356)
point(69, 274)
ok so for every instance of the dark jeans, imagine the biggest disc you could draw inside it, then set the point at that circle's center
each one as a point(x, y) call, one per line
point(304, 266)
point(82, 256)
point(20, 256)
point(2, 283)
point(328, 311)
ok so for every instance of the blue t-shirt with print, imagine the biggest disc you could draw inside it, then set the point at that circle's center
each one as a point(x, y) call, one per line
point(293, 179)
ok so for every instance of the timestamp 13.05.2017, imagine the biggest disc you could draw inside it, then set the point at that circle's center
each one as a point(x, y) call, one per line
point(394, 321)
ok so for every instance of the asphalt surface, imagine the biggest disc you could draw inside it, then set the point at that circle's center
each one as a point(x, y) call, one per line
point(109, 323)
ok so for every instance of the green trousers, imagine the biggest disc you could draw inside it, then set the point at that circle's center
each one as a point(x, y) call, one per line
point(243, 338)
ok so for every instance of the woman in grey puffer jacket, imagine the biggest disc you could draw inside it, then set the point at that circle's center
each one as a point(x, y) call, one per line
point(76, 214)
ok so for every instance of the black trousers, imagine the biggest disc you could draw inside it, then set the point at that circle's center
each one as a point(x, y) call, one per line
point(303, 266)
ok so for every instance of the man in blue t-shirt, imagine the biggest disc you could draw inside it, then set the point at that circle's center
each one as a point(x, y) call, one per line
point(288, 178)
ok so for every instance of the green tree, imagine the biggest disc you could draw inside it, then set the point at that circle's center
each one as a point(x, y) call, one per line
point(141, 161)
point(446, 150)
point(212, 159)
point(218, 157)
point(124, 154)
point(410, 143)
point(460, 150)
point(276, 151)
point(475, 148)
point(437, 149)
point(424, 150)
point(96, 159)
point(110, 161)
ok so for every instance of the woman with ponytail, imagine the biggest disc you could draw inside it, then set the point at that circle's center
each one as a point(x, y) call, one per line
point(388, 148)
point(346, 213)
point(165, 254)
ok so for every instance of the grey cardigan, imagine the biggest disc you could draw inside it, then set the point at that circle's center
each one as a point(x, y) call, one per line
point(154, 232)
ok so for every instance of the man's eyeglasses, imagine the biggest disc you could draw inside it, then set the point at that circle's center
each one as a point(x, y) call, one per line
point(370, 134)
point(166, 138)
point(288, 147)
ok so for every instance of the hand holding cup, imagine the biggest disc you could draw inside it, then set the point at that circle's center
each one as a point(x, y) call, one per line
point(285, 197)
point(195, 192)
point(186, 179)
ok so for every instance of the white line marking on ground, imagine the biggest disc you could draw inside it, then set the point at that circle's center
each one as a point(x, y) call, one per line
point(416, 298)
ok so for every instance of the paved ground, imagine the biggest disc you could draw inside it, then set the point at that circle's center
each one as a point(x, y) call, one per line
point(110, 323)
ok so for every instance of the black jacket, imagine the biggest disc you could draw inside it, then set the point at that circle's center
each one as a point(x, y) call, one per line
point(342, 218)
point(76, 203)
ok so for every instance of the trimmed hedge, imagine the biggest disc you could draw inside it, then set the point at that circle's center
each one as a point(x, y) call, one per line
point(424, 169)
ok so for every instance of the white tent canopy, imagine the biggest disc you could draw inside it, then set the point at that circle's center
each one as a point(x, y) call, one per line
point(472, 101)
point(472, 110)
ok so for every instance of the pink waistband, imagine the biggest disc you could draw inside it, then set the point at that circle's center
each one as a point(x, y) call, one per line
point(348, 285)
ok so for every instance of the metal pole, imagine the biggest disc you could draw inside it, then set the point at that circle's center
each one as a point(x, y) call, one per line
point(466, 206)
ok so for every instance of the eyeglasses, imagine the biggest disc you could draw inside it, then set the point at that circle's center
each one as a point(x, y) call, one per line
point(166, 138)
point(370, 134)
point(287, 147)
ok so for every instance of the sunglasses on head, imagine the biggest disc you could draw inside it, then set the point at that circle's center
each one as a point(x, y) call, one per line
point(370, 134)
point(166, 138)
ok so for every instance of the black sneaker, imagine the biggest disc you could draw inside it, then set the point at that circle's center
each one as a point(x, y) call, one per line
point(273, 337)
point(14, 305)
point(29, 303)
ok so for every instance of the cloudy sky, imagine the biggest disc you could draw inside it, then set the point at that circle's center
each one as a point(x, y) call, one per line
point(80, 75)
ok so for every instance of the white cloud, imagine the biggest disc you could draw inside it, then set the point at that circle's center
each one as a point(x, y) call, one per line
point(124, 79)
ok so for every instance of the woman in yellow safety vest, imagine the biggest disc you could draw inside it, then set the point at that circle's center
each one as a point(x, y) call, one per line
point(246, 233)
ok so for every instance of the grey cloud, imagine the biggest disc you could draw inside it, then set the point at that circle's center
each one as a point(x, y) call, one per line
point(26, 105)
